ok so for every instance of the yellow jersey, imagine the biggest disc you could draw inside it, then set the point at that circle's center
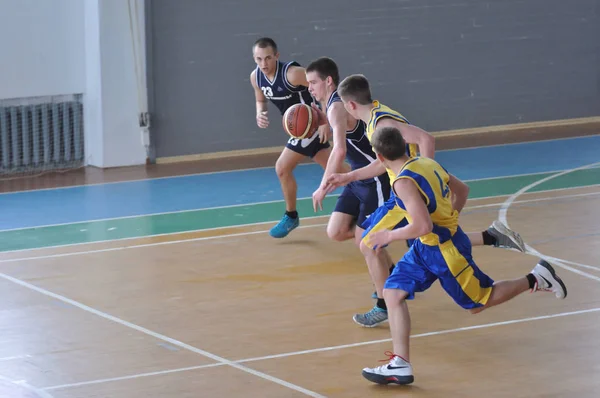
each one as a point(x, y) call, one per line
point(431, 180)
point(380, 111)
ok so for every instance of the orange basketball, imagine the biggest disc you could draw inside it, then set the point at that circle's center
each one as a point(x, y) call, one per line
point(300, 121)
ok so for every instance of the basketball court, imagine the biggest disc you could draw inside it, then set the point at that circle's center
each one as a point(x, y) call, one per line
point(229, 312)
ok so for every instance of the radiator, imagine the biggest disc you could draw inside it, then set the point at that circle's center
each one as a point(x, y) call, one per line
point(41, 134)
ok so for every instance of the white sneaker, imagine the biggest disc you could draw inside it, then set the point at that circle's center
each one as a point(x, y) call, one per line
point(547, 280)
point(397, 371)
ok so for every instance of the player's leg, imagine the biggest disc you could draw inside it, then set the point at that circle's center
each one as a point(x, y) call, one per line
point(340, 226)
point(343, 218)
point(295, 151)
point(408, 277)
point(473, 290)
point(343, 223)
point(321, 156)
point(385, 217)
point(542, 278)
point(382, 258)
point(379, 270)
point(398, 370)
point(373, 195)
point(498, 235)
point(285, 165)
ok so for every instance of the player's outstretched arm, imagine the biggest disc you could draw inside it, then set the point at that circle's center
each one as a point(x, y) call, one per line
point(412, 135)
point(421, 224)
point(460, 193)
point(261, 103)
point(337, 119)
point(374, 169)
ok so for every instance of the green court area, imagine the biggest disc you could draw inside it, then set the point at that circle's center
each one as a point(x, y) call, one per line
point(201, 219)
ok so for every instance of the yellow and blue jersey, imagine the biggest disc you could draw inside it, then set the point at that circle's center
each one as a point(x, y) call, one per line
point(381, 111)
point(431, 179)
point(444, 254)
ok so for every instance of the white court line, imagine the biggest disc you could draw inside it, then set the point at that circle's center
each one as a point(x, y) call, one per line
point(161, 337)
point(269, 222)
point(436, 333)
point(97, 242)
point(111, 249)
point(39, 392)
point(173, 242)
point(502, 216)
point(549, 198)
point(562, 260)
point(135, 376)
point(323, 349)
point(304, 218)
point(98, 220)
point(273, 167)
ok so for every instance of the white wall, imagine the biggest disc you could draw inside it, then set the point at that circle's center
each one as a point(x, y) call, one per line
point(42, 48)
point(113, 99)
point(53, 47)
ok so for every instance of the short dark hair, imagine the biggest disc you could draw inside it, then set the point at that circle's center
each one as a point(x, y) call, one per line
point(265, 42)
point(356, 88)
point(389, 143)
point(325, 66)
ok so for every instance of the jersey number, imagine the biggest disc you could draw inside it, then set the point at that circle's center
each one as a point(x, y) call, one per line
point(444, 187)
point(267, 91)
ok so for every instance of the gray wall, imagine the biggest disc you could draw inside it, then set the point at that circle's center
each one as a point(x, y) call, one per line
point(444, 64)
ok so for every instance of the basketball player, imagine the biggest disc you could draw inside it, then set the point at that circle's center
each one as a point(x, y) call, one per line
point(359, 198)
point(284, 84)
point(423, 194)
point(355, 94)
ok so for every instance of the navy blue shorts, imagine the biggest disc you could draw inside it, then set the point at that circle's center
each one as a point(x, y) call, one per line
point(307, 146)
point(360, 198)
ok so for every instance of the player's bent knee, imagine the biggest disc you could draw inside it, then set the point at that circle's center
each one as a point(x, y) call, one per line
point(394, 296)
point(366, 250)
point(474, 311)
point(283, 169)
point(337, 234)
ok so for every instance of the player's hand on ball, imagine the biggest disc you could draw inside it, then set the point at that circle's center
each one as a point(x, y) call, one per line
point(323, 132)
point(322, 115)
point(262, 120)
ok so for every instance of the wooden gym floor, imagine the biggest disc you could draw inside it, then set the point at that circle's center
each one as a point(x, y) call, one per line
point(230, 313)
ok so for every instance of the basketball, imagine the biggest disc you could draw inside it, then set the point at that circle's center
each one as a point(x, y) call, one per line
point(300, 121)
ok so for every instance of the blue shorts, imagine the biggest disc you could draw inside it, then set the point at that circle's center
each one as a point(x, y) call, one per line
point(387, 216)
point(307, 146)
point(450, 262)
point(361, 198)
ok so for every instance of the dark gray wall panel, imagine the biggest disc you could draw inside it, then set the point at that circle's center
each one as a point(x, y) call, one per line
point(444, 64)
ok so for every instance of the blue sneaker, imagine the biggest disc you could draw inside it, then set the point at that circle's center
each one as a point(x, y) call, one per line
point(284, 227)
point(372, 318)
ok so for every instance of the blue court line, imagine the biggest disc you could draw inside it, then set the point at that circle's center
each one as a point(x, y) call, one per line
point(46, 207)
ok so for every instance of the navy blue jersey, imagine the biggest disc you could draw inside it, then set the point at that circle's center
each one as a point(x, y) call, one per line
point(280, 91)
point(359, 152)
